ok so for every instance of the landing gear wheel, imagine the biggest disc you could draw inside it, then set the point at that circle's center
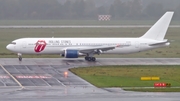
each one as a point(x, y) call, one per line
point(20, 58)
point(90, 58)
point(93, 59)
point(86, 58)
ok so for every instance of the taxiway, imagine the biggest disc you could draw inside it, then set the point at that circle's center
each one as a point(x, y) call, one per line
point(100, 61)
point(45, 80)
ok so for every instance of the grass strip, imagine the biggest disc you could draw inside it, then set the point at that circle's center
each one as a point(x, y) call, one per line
point(129, 76)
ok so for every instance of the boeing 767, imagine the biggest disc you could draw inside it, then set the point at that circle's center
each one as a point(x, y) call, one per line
point(88, 47)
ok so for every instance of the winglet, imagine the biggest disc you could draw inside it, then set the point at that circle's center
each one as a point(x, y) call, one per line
point(159, 29)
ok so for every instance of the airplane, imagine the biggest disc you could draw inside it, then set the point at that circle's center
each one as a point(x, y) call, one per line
point(88, 47)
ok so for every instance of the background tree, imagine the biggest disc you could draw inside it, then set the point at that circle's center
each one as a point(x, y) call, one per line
point(86, 9)
point(135, 9)
point(90, 11)
point(155, 9)
point(78, 8)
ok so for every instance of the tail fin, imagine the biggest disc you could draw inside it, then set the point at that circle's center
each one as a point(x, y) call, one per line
point(159, 29)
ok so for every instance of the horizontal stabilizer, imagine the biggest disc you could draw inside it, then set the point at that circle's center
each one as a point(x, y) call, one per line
point(159, 43)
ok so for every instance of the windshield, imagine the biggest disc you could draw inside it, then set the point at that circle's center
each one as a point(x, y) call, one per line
point(14, 43)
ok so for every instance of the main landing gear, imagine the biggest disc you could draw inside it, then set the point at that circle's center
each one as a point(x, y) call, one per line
point(20, 56)
point(90, 58)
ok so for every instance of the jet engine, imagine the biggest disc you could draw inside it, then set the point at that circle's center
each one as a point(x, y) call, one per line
point(71, 53)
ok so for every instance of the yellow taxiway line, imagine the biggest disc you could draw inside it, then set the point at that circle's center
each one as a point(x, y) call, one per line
point(12, 77)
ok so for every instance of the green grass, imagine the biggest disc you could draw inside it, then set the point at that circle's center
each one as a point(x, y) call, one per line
point(128, 76)
point(154, 89)
point(173, 51)
point(80, 22)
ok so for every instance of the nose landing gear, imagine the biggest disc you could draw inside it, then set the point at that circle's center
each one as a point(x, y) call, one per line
point(20, 56)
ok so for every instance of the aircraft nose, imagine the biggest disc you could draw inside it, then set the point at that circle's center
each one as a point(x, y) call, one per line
point(9, 47)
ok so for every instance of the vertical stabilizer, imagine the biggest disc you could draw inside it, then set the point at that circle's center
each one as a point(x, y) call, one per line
point(159, 29)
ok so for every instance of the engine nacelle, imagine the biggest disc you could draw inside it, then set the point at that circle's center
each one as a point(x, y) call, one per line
point(71, 53)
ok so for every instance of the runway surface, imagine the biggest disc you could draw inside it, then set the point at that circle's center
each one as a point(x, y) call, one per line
point(49, 80)
point(100, 61)
point(86, 26)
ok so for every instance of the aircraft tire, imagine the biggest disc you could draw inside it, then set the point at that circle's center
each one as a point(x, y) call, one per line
point(20, 58)
point(90, 58)
point(93, 58)
point(86, 58)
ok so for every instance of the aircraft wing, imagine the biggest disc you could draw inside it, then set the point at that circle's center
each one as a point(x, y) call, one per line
point(92, 49)
point(95, 48)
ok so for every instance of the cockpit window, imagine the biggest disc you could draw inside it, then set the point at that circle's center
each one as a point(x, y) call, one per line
point(14, 43)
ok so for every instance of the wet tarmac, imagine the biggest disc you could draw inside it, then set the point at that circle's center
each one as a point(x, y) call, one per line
point(81, 62)
point(50, 80)
point(40, 76)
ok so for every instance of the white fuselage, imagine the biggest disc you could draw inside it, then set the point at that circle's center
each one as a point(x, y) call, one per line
point(58, 45)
